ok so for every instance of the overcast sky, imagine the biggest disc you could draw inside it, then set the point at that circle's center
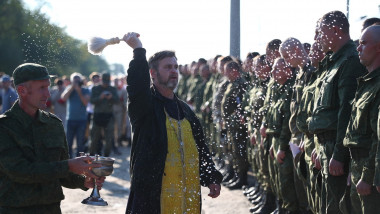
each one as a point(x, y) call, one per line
point(196, 28)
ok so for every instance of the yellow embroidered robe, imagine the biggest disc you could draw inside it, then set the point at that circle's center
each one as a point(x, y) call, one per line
point(180, 191)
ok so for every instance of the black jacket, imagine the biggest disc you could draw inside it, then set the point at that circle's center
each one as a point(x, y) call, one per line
point(149, 144)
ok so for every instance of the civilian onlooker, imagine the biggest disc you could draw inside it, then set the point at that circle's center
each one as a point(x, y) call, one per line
point(77, 97)
point(120, 109)
point(8, 94)
point(94, 81)
point(59, 105)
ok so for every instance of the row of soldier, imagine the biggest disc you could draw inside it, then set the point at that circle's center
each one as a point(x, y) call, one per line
point(304, 120)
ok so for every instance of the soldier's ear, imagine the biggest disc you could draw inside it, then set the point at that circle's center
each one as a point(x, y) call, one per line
point(21, 90)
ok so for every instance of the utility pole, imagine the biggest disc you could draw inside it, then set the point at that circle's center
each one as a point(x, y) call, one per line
point(235, 28)
point(348, 9)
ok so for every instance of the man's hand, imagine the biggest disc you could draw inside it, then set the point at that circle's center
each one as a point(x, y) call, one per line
point(363, 188)
point(214, 190)
point(280, 156)
point(89, 182)
point(378, 188)
point(336, 167)
point(263, 131)
point(83, 166)
point(253, 140)
point(132, 39)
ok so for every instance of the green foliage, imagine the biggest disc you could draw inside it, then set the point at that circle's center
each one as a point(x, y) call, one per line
point(28, 36)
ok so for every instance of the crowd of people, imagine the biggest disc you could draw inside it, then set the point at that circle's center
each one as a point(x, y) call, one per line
point(304, 117)
point(92, 109)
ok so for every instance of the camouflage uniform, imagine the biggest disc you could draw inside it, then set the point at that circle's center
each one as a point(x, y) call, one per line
point(301, 80)
point(278, 128)
point(182, 87)
point(237, 133)
point(102, 118)
point(218, 95)
point(362, 141)
point(254, 102)
point(271, 92)
point(33, 160)
point(207, 113)
point(193, 85)
point(305, 110)
point(330, 118)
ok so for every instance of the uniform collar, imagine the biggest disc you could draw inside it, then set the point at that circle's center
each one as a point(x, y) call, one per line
point(346, 49)
point(25, 118)
point(369, 76)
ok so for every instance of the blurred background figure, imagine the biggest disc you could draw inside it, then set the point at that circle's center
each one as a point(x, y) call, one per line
point(119, 111)
point(8, 94)
point(58, 104)
point(77, 97)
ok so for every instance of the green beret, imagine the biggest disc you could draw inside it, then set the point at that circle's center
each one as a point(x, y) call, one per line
point(30, 71)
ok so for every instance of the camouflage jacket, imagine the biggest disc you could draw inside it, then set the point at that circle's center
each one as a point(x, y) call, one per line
point(362, 128)
point(332, 106)
point(254, 102)
point(33, 159)
point(278, 114)
point(103, 105)
point(302, 79)
point(231, 104)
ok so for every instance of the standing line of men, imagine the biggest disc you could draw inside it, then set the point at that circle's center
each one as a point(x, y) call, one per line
point(305, 122)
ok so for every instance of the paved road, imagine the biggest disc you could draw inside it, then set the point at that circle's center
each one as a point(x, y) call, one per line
point(116, 189)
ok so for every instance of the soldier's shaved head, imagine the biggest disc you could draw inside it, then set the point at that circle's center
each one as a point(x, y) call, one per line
point(293, 52)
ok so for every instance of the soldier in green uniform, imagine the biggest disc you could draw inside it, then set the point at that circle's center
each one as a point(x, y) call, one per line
point(330, 116)
point(206, 106)
point(231, 113)
point(205, 74)
point(361, 136)
point(304, 112)
point(293, 52)
point(223, 154)
point(182, 84)
point(103, 97)
point(278, 128)
point(248, 66)
point(267, 205)
point(254, 119)
point(34, 158)
point(195, 83)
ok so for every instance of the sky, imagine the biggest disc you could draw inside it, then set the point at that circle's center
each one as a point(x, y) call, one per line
point(196, 28)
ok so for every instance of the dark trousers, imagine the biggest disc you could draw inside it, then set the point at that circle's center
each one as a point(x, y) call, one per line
point(75, 128)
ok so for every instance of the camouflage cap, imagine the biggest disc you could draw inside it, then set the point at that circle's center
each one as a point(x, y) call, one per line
point(30, 71)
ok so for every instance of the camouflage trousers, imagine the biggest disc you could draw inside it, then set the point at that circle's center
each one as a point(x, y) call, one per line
point(333, 187)
point(96, 134)
point(238, 138)
point(362, 204)
point(286, 178)
point(272, 168)
point(313, 179)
